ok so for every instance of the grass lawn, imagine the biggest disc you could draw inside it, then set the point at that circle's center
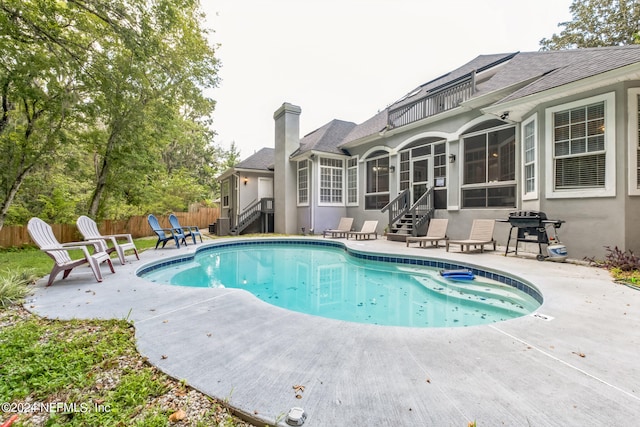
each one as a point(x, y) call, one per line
point(87, 372)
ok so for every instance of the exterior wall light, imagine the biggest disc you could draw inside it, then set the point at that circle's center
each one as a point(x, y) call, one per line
point(392, 169)
point(246, 180)
point(452, 158)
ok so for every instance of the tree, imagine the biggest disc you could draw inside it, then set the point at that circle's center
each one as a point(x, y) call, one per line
point(38, 74)
point(597, 23)
point(114, 84)
point(162, 66)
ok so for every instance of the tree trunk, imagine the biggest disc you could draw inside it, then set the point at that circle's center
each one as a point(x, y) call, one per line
point(103, 174)
point(8, 201)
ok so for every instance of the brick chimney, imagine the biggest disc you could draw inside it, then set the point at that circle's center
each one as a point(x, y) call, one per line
point(287, 140)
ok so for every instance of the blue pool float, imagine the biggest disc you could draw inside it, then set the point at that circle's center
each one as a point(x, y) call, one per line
point(462, 274)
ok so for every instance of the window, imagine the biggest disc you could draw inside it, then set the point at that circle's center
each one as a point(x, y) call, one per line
point(489, 169)
point(352, 181)
point(303, 182)
point(331, 171)
point(578, 142)
point(580, 139)
point(440, 176)
point(377, 195)
point(529, 157)
point(224, 193)
point(634, 142)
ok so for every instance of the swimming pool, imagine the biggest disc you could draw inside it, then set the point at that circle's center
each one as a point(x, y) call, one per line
point(326, 278)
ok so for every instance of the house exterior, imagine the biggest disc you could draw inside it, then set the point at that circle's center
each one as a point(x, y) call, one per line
point(556, 132)
point(246, 195)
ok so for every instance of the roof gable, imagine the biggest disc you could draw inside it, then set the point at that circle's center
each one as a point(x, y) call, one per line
point(261, 160)
point(326, 138)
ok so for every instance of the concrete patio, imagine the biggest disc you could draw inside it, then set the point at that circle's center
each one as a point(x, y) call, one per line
point(579, 366)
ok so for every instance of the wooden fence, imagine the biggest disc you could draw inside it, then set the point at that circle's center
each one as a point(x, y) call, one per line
point(137, 226)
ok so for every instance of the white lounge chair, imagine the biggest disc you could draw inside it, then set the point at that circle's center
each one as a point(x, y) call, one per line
point(369, 228)
point(344, 226)
point(436, 233)
point(481, 235)
point(89, 230)
point(43, 236)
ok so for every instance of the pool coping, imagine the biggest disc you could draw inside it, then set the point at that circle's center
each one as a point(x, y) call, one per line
point(235, 347)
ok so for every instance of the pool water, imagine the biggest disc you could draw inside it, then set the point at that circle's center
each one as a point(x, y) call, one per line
point(329, 282)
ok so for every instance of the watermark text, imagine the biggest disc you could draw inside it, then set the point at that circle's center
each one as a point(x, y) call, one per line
point(51, 407)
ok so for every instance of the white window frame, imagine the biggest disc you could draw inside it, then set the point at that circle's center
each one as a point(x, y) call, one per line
point(366, 184)
point(352, 165)
point(300, 186)
point(609, 189)
point(321, 167)
point(225, 193)
point(532, 195)
point(487, 184)
point(634, 141)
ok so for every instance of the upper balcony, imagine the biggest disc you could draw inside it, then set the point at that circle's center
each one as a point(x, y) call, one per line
point(436, 101)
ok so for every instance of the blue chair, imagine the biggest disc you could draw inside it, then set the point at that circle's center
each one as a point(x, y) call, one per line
point(187, 230)
point(165, 234)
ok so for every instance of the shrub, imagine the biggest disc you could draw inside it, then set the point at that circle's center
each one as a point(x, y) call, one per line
point(14, 286)
point(617, 259)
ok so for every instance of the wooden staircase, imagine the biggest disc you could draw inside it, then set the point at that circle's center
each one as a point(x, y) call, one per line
point(405, 220)
point(258, 210)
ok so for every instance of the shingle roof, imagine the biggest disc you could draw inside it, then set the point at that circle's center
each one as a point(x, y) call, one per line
point(261, 160)
point(370, 127)
point(534, 71)
point(477, 64)
point(326, 138)
point(558, 68)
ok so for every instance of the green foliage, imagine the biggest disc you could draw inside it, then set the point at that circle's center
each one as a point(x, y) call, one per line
point(101, 102)
point(14, 285)
point(623, 265)
point(43, 357)
point(597, 23)
point(92, 364)
point(26, 258)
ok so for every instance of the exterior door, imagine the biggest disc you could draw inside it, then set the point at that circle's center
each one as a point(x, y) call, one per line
point(265, 188)
point(421, 176)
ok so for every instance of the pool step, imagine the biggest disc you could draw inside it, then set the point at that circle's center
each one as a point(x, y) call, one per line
point(480, 290)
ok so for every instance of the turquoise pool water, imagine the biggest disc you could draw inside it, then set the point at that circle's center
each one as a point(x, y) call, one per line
point(329, 281)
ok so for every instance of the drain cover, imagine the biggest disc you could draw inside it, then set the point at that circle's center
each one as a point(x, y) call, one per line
point(296, 416)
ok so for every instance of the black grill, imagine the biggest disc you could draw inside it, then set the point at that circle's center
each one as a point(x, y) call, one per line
point(532, 228)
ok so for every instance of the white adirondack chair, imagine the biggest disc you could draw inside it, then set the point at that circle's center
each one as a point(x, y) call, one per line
point(89, 230)
point(42, 234)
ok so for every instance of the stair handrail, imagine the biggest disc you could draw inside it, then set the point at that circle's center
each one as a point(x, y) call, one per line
point(397, 207)
point(253, 211)
point(421, 211)
point(248, 215)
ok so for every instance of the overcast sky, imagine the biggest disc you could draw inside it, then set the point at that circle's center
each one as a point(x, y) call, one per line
point(348, 59)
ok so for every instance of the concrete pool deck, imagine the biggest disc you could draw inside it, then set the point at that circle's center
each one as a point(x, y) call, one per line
point(577, 367)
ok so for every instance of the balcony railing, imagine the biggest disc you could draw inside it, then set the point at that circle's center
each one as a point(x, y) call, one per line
point(438, 101)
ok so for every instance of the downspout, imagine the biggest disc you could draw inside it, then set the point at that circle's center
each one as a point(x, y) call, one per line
point(312, 211)
point(236, 186)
